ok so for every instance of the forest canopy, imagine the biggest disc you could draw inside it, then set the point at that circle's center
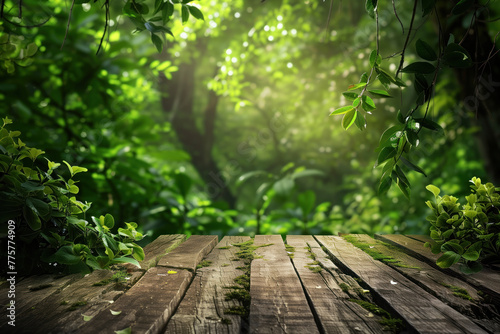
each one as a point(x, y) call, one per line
point(220, 117)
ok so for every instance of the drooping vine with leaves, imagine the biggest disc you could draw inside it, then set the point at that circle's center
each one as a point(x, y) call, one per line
point(399, 142)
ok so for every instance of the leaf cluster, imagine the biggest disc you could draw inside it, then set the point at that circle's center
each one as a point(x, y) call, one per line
point(162, 12)
point(469, 233)
point(49, 227)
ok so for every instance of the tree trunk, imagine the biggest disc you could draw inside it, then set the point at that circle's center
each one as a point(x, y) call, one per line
point(178, 102)
point(479, 88)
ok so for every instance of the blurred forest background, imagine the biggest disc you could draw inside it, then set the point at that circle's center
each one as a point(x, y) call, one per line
point(228, 127)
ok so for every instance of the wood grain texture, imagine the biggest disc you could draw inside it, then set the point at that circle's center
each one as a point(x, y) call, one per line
point(278, 302)
point(161, 246)
point(330, 303)
point(202, 308)
point(188, 254)
point(149, 304)
point(30, 292)
point(422, 311)
point(436, 283)
point(487, 280)
point(66, 306)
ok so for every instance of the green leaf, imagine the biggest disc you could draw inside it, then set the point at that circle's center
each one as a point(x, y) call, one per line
point(32, 186)
point(457, 59)
point(433, 189)
point(401, 176)
point(385, 184)
point(342, 110)
point(412, 166)
point(388, 134)
point(375, 58)
point(356, 86)
point(448, 259)
point(379, 93)
point(167, 12)
point(109, 221)
point(405, 189)
point(127, 330)
point(87, 317)
point(183, 183)
point(428, 124)
point(157, 41)
point(196, 13)
point(250, 175)
point(370, 6)
point(306, 201)
point(185, 14)
point(411, 137)
point(425, 51)
point(350, 96)
point(360, 121)
point(115, 312)
point(349, 118)
point(32, 218)
point(368, 104)
point(452, 246)
point(400, 117)
point(65, 255)
point(75, 169)
point(386, 153)
point(284, 186)
point(419, 67)
point(471, 255)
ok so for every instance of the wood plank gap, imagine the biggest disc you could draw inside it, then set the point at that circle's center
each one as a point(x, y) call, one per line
point(422, 311)
point(451, 290)
point(202, 310)
point(487, 280)
point(278, 303)
point(328, 294)
point(149, 304)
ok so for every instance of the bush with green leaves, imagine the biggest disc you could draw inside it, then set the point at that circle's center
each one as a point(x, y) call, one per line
point(468, 233)
point(51, 231)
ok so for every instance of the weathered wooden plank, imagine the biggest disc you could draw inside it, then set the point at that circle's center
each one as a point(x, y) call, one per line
point(328, 294)
point(66, 305)
point(31, 291)
point(202, 308)
point(188, 254)
point(278, 303)
point(149, 304)
point(160, 247)
point(449, 289)
point(487, 280)
point(422, 311)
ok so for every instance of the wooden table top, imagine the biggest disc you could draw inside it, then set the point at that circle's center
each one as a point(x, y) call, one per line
point(303, 284)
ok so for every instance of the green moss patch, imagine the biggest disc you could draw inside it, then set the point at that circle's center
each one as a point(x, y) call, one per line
point(203, 264)
point(76, 305)
point(241, 291)
point(375, 254)
point(458, 291)
point(345, 287)
point(392, 324)
point(119, 278)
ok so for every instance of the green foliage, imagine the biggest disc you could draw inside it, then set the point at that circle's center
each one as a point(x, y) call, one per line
point(398, 143)
point(469, 233)
point(50, 224)
point(280, 188)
